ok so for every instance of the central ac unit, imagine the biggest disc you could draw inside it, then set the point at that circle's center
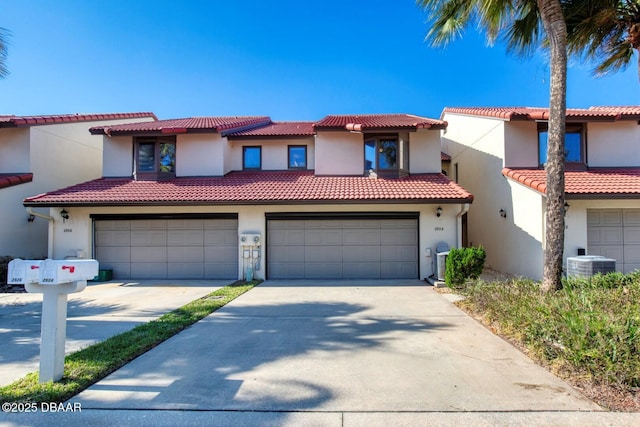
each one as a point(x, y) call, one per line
point(589, 265)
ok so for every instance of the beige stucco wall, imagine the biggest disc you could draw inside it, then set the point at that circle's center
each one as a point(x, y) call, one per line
point(613, 144)
point(522, 149)
point(424, 152)
point(117, 160)
point(200, 154)
point(15, 150)
point(339, 153)
point(76, 233)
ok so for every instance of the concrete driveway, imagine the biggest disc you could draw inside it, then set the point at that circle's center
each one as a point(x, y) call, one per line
point(99, 312)
point(348, 353)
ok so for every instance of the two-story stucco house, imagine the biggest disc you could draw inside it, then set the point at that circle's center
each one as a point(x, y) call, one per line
point(233, 197)
point(42, 153)
point(499, 153)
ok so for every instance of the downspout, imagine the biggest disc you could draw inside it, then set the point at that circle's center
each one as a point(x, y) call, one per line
point(51, 224)
point(464, 210)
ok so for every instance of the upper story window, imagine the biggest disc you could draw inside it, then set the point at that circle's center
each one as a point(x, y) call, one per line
point(385, 155)
point(573, 143)
point(155, 156)
point(297, 157)
point(251, 157)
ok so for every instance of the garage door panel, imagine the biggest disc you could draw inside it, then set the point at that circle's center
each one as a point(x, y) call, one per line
point(114, 237)
point(275, 224)
point(323, 224)
point(631, 267)
point(287, 237)
point(185, 224)
point(361, 236)
point(113, 254)
point(632, 235)
point(149, 270)
point(185, 270)
point(399, 237)
point(373, 224)
point(113, 225)
point(149, 254)
point(323, 237)
point(224, 254)
point(148, 237)
point(121, 270)
point(149, 224)
point(185, 237)
point(391, 270)
point(220, 237)
point(221, 270)
point(631, 216)
point(323, 270)
point(185, 254)
point(631, 253)
point(604, 235)
point(361, 270)
point(362, 253)
point(323, 253)
point(399, 253)
point(287, 270)
point(293, 254)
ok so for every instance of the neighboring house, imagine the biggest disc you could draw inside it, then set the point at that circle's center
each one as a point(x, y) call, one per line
point(240, 197)
point(39, 154)
point(498, 154)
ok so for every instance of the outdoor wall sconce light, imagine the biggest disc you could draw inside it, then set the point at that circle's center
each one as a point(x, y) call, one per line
point(503, 213)
point(64, 214)
point(31, 218)
point(438, 211)
point(566, 207)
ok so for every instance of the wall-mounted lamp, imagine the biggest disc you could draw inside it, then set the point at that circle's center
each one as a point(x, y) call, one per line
point(438, 211)
point(31, 218)
point(64, 214)
point(503, 213)
point(566, 207)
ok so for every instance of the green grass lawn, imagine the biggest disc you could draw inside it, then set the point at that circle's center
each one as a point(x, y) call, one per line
point(588, 332)
point(89, 365)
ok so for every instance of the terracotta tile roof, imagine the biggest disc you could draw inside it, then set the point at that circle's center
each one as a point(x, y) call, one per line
point(256, 188)
point(379, 121)
point(189, 124)
point(534, 113)
point(9, 180)
point(18, 121)
point(595, 182)
point(444, 157)
point(277, 129)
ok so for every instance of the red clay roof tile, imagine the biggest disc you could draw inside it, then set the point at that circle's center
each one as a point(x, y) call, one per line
point(9, 180)
point(264, 187)
point(277, 129)
point(378, 121)
point(211, 124)
point(596, 182)
point(18, 121)
point(536, 113)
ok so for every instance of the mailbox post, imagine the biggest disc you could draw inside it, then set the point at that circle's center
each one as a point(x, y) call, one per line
point(55, 280)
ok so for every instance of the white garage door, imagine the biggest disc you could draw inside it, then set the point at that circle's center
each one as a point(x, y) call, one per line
point(615, 233)
point(342, 248)
point(168, 248)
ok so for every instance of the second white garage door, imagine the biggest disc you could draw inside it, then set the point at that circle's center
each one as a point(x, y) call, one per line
point(343, 248)
point(615, 233)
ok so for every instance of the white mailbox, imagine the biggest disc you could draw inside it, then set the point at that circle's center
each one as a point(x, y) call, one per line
point(53, 272)
point(23, 271)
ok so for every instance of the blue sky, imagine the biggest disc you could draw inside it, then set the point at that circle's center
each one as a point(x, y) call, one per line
point(291, 60)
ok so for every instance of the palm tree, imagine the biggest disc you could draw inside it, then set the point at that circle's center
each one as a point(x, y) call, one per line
point(4, 35)
point(607, 31)
point(521, 23)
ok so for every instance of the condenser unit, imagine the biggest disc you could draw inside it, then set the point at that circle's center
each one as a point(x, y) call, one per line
point(589, 265)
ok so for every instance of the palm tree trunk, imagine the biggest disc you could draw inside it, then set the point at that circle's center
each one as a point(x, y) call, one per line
point(556, 30)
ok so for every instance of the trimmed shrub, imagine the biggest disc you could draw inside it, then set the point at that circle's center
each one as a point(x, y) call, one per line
point(463, 264)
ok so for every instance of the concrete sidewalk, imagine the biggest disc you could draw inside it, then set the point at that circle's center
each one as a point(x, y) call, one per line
point(99, 312)
point(349, 353)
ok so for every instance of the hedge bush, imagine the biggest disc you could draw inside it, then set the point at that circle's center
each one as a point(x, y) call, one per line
point(463, 264)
